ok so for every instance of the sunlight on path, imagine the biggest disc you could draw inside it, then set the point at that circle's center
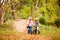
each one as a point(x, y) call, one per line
point(20, 25)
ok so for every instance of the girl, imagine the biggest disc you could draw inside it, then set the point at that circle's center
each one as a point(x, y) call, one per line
point(29, 25)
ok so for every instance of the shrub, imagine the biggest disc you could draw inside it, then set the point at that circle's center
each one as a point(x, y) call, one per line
point(3, 26)
point(49, 23)
point(57, 22)
point(42, 21)
point(6, 26)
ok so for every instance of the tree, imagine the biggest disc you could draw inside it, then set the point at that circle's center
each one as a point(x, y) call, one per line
point(38, 4)
point(16, 5)
point(13, 9)
point(32, 9)
point(35, 3)
point(2, 12)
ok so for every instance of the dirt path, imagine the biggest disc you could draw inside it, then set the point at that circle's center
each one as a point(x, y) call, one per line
point(20, 25)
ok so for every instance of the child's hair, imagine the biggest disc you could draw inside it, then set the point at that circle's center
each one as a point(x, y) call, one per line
point(30, 17)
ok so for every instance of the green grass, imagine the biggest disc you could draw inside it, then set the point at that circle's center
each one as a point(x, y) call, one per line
point(3, 31)
point(7, 28)
point(50, 31)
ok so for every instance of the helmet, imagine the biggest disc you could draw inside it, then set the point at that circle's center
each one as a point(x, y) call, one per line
point(36, 19)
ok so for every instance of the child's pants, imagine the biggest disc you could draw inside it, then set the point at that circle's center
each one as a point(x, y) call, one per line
point(29, 29)
point(36, 30)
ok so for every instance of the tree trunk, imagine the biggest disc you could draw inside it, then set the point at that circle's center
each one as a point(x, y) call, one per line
point(1, 12)
point(38, 4)
point(13, 10)
point(1, 16)
point(32, 9)
point(49, 11)
point(38, 12)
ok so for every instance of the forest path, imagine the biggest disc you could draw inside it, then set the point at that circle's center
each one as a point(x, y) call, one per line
point(20, 25)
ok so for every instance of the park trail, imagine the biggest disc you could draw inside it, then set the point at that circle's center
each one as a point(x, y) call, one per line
point(20, 26)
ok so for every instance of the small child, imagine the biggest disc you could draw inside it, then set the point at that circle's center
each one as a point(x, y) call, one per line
point(36, 25)
point(29, 25)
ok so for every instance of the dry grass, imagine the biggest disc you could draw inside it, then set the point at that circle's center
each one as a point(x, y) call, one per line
point(21, 36)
